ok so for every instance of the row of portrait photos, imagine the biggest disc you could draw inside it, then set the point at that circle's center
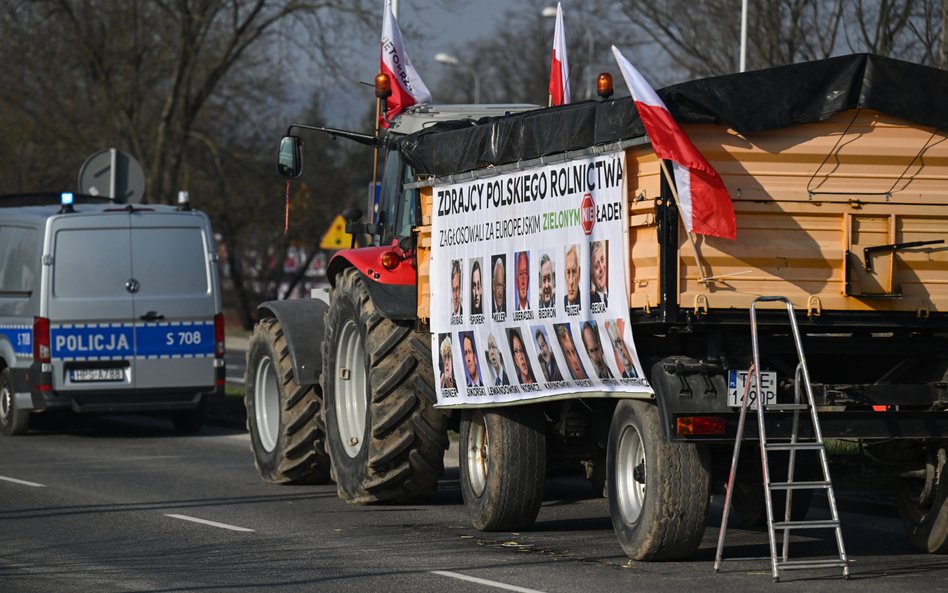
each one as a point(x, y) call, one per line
point(535, 358)
point(546, 284)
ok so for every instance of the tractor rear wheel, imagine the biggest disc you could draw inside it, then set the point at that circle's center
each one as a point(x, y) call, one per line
point(385, 437)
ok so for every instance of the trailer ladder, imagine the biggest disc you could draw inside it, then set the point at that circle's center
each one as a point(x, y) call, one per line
point(783, 562)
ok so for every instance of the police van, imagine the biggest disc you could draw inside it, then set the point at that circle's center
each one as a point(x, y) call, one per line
point(107, 308)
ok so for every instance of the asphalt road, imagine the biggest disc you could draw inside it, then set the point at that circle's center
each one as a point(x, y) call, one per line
point(124, 504)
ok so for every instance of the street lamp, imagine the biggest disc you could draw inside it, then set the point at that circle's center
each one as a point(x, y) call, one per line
point(550, 12)
point(450, 60)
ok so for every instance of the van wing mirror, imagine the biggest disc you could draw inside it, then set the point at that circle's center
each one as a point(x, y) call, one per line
point(290, 159)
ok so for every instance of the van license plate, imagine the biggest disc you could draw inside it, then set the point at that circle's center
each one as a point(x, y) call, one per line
point(737, 382)
point(87, 375)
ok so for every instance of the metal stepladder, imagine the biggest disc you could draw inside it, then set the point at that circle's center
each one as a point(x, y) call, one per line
point(802, 381)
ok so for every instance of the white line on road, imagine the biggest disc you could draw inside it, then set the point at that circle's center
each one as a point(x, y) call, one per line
point(206, 522)
point(464, 577)
point(22, 482)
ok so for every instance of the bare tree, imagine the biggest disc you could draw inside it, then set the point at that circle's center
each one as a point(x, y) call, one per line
point(882, 25)
point(703, 38)
point(197, 90)
point(513, 64)
point(145, 72)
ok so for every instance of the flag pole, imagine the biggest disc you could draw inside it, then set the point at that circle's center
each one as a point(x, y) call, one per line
point(691, 236)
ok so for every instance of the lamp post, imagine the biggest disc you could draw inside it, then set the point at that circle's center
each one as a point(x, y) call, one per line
point(550, 12)
point(743, 60)
point(451, 60)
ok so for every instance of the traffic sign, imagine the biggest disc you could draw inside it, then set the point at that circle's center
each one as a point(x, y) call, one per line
point(114, 174)
point(587, 213)
point(336, 237)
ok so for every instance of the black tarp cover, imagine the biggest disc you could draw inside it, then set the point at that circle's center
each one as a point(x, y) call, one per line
point(748, 102)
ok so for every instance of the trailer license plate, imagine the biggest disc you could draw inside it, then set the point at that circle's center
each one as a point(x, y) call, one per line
point(737, 381)
point(88, 375)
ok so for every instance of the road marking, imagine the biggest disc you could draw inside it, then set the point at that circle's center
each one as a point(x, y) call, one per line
point(464, 577)
point(22, 482)
point(206, 522)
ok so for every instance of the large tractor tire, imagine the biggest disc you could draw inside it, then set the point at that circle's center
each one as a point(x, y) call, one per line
point(385, 437)
point(13, 420)
point(283, 417)
point(658, 491)
point(923, 502)
point(502, 462)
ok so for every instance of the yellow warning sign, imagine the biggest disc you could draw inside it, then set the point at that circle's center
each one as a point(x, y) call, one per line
point(336, 237)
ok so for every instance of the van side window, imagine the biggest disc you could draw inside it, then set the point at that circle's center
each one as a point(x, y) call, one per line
point(18, 260)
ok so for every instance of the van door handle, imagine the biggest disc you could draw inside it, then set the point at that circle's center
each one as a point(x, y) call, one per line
point(152, 316)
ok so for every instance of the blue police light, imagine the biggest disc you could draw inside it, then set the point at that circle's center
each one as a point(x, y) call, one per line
point(66, 200)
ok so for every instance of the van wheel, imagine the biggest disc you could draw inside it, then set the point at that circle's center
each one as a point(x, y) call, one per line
point(13, 421)
point(385, 437)
point(658, 491)
point(922, 499)
point(286, 431)
point(188, 421)
point(503, 461)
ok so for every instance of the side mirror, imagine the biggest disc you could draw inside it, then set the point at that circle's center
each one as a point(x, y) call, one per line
point(290, 159)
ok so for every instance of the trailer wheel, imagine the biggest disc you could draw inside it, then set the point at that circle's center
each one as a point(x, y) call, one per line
point(286, 431)
point(502, 455)
point(658, 491)
point(385, 437)
point(13, 420)
point(923, 503)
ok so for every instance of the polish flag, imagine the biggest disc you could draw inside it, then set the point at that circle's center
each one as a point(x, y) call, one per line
point(703, 200)
point(407, 87)
point(559, 69)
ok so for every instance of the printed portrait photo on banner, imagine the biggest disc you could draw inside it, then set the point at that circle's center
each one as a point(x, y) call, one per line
point(593, 345)
point(495, 361)
point(499, 286)
point(472, 366)
point(547, 282)
point(622, 353)
point(599, 274)
point(477, 289)
point(572, 300)
point(522, 259)
point(518, 349)
point(446, 363)
point(568, 347)
point(545, 358)
point(455, 288)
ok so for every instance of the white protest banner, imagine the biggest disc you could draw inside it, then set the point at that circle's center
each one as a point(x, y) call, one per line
point(536, 263)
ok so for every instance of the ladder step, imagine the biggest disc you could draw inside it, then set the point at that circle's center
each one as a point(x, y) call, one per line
point(810, 446)
point(815, 485)
point(825, 524)
point(786, 407)
point(806, 564)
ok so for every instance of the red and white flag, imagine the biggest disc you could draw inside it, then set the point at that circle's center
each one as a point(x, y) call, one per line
point(703, 200)
point(559, 69)
point(407, 87)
